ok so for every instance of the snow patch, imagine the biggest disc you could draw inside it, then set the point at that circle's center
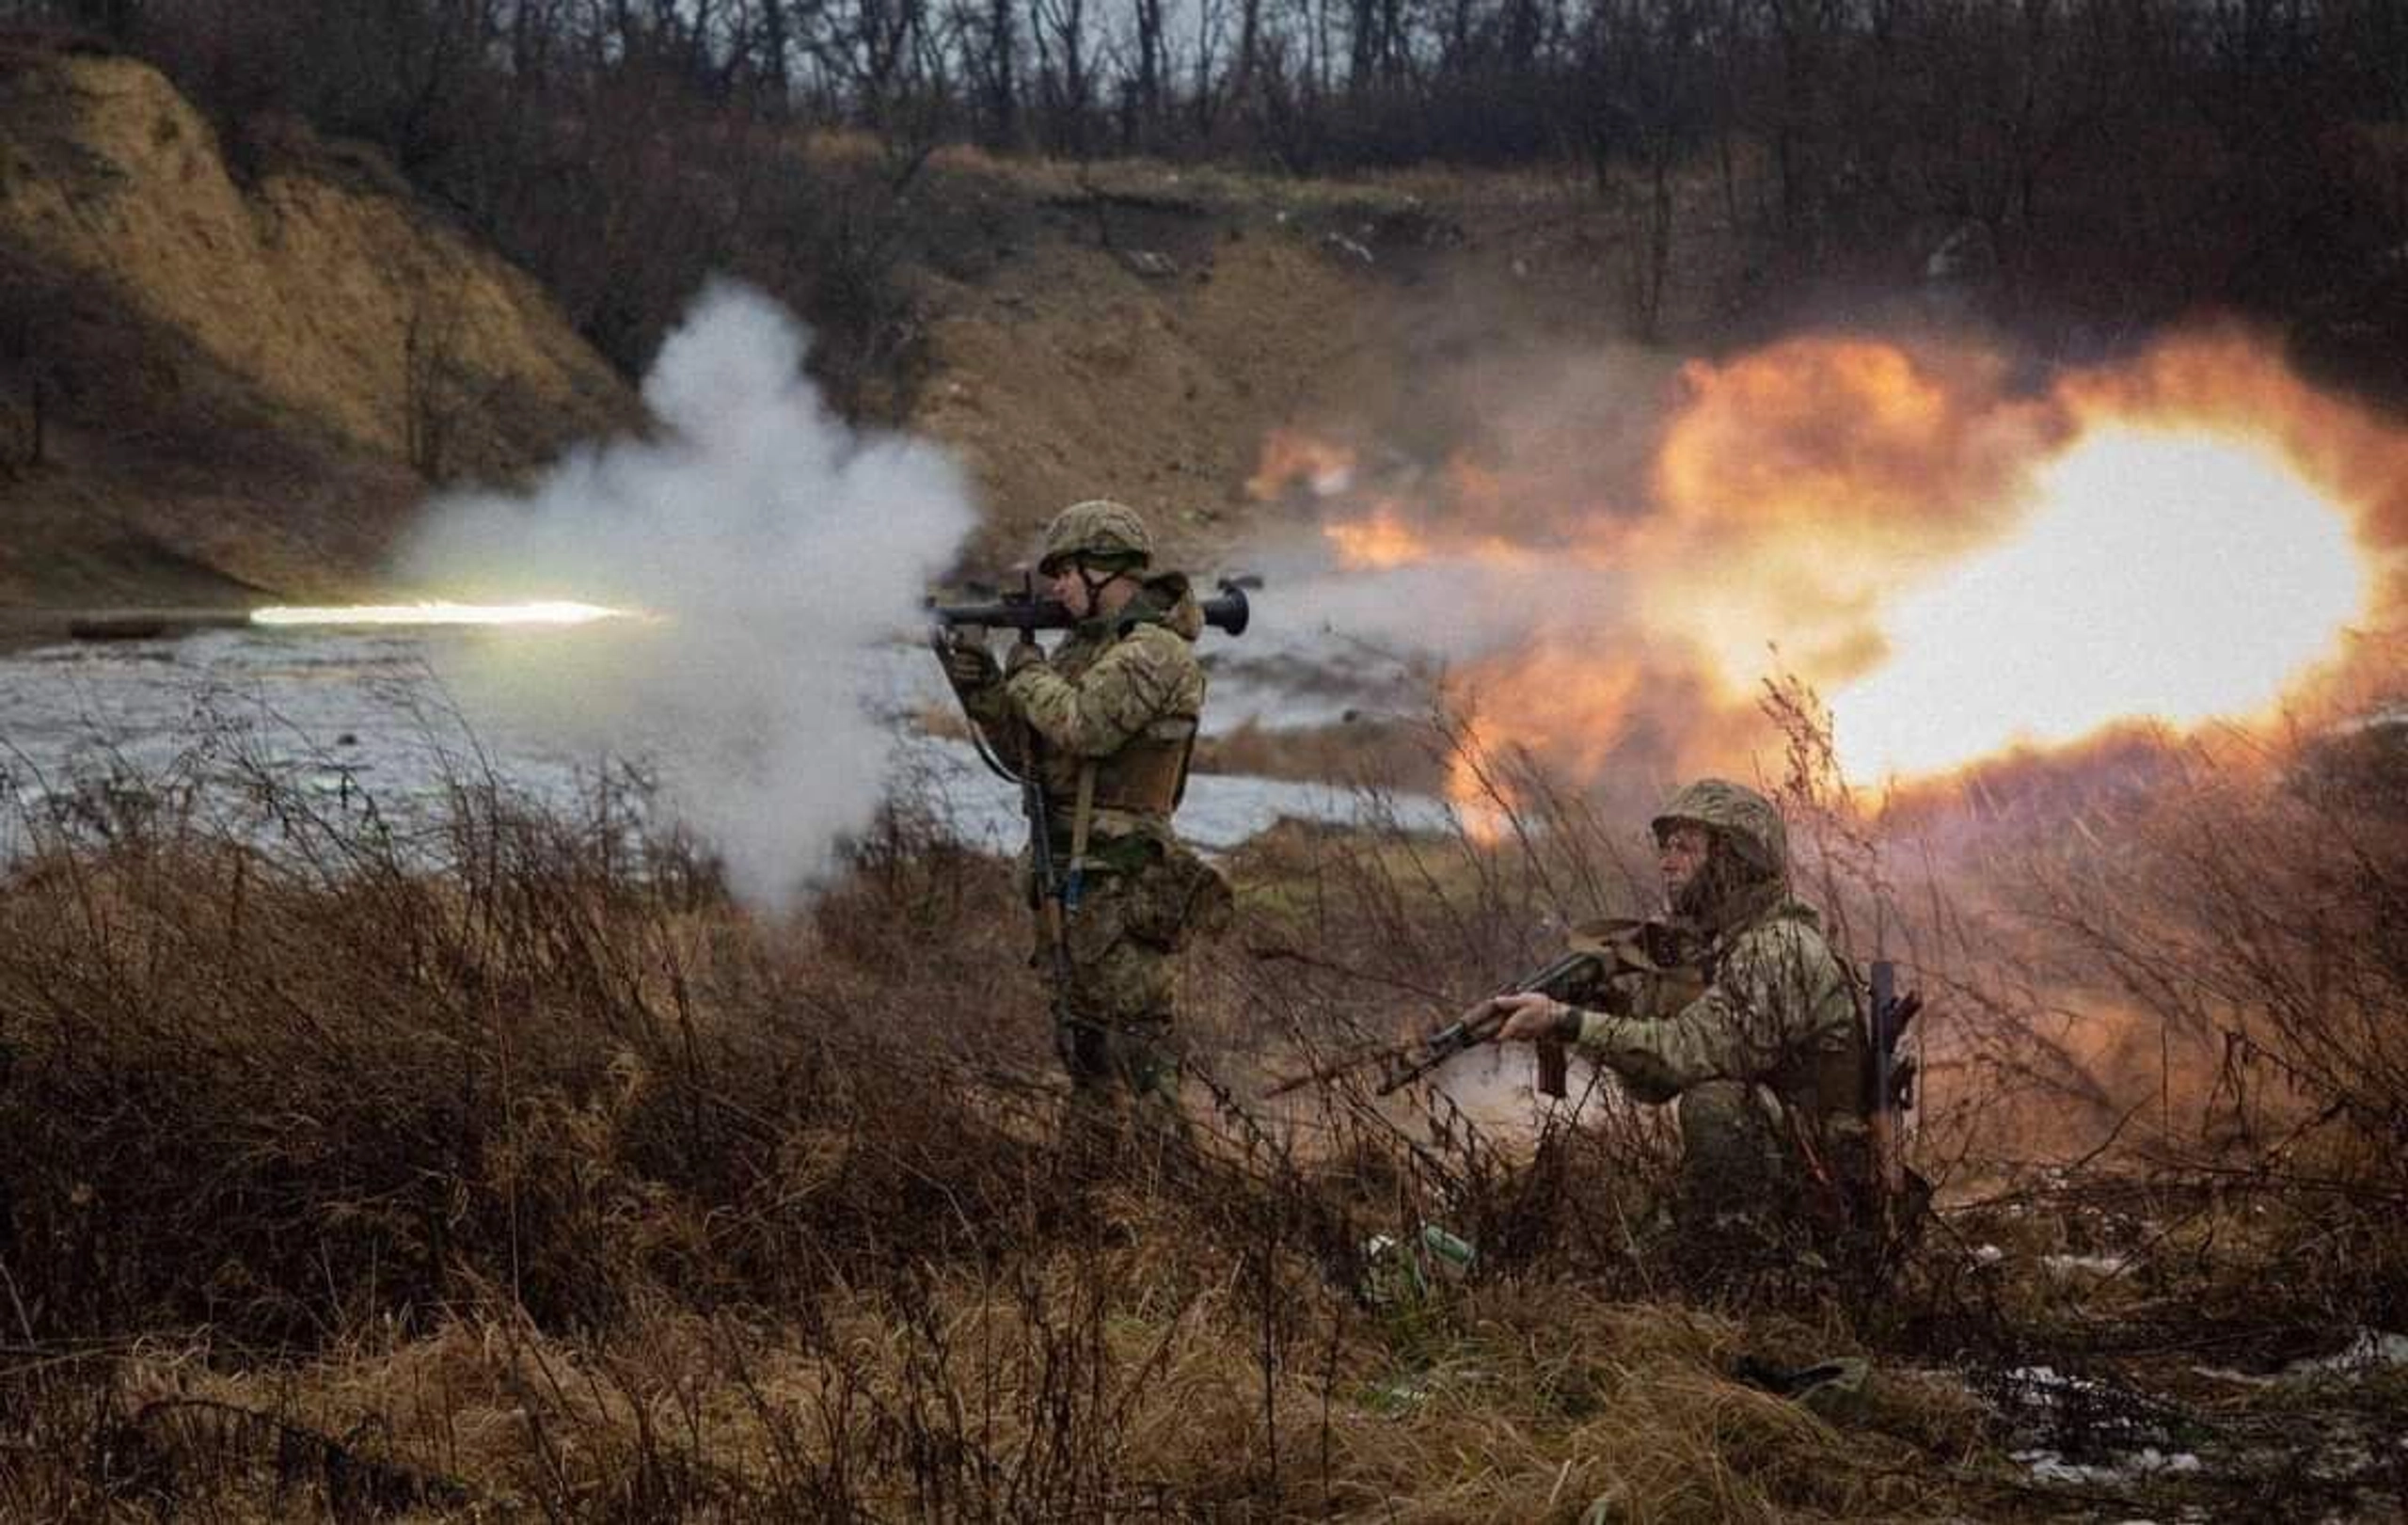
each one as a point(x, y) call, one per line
point(2370, 1350)
point(2148, 1462)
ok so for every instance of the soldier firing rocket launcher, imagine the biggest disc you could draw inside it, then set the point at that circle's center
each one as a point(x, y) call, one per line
point(1104, 726)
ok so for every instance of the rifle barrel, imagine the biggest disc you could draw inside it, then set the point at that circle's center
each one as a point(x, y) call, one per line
point(1447, 1041)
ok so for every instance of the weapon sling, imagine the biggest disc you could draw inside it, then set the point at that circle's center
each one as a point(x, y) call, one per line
point(1049, 881)
point(1082, 824)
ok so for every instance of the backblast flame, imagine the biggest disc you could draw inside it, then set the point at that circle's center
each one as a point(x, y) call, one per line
point(2105, 606)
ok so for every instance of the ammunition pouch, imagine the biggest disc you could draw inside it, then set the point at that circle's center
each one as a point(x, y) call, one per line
point(1650, 968)
point(1163, 893)
point(1178, 898)
point(1822, 1081)
point(1647, 970)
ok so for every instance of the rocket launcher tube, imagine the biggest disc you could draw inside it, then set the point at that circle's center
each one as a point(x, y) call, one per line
point(1027, 614)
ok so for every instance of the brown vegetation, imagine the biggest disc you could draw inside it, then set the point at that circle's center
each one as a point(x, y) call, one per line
point(513, 1165)
point(507, 1167)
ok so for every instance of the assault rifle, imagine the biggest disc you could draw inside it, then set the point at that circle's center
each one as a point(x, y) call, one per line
point(1027, 613)
point(1558, 980)
point(1568, 976)
point(1598, 954)
point(1056, 895)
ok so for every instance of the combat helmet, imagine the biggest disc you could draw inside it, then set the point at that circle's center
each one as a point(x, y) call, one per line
point(1737, 813)
point(1099, 532)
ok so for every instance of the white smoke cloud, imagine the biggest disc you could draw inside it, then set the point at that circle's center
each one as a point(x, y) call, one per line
point(776, 544)
point(1447, 607)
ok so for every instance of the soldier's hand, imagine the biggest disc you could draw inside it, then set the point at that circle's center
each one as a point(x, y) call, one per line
point(1023, 656)
point(967, 663)
point(1528, 1017)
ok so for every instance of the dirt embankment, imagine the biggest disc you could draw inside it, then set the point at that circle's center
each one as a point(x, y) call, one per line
point(234, 368)
point(229, 372)
point(1139, 331)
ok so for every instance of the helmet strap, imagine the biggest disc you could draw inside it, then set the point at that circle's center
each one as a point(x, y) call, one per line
point(1095, 585)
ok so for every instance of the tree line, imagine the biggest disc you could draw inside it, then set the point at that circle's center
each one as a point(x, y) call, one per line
point(1323, 83)
point(2129, 156)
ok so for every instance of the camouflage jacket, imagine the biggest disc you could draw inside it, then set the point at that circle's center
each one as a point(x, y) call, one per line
point(1124, 694)
point(1778, 1010)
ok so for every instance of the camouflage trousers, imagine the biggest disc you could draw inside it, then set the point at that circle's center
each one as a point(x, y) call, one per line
point(1760, 1194)
point(1115, 1039)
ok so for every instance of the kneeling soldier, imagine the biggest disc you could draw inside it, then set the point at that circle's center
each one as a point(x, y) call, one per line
point(1767, 1066)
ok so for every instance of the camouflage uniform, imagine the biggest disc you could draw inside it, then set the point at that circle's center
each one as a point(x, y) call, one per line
point(1766, 1064)
point(1114, 710)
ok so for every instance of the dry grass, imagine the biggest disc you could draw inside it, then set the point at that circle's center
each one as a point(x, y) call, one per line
point(1044, 1395)
point(512, 1170)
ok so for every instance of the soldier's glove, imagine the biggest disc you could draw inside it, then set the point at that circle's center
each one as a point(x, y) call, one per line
point(967, 663)
point(1023, 656)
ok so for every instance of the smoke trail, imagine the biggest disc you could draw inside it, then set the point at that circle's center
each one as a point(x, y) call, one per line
point(776, 542)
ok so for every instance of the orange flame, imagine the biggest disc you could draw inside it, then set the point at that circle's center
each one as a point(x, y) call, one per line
point(1961, 567)
point(1291, 458)
point(1378, 542)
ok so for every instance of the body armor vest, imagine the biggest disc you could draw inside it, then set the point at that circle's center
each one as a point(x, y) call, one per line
point(1148, 776)
point(1654, 969)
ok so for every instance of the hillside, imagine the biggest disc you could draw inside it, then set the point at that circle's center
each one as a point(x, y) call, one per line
point(230, 368)
point(225, 373)
point(1142, 330)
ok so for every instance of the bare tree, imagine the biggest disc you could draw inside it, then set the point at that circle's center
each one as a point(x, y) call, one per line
point(1250, 54)
point(988, 50)
point(1146, 84)
point(1203, 88)
point(884, 42)
point(1065, 77)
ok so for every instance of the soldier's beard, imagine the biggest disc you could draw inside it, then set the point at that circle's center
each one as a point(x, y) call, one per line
point(1721, 891)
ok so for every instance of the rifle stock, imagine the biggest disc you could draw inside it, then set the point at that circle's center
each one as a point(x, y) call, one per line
point(1042, 868)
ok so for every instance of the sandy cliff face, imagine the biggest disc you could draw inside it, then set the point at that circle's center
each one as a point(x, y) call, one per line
point(247, 373)
point(315, 290)
point(1142, 330)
